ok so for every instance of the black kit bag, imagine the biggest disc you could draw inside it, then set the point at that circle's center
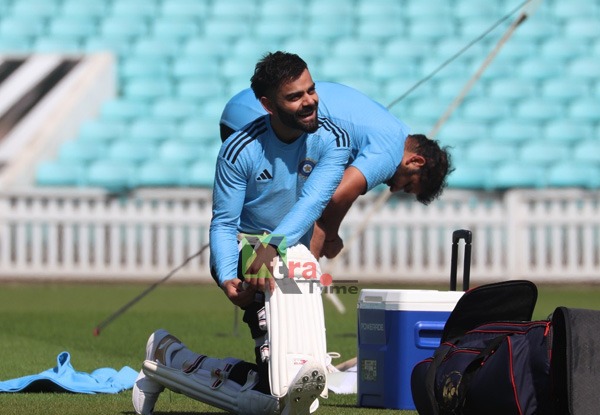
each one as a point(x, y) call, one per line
point(494, 360)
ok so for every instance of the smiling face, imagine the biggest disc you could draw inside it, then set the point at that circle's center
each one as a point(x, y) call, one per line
point(293, 107)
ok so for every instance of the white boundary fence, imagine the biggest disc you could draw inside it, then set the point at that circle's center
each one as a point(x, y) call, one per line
point(83, 235)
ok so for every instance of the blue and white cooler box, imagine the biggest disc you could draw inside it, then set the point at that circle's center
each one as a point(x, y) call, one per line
point(397, 329)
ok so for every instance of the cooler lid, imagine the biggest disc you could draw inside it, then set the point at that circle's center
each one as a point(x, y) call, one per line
point(408, 300)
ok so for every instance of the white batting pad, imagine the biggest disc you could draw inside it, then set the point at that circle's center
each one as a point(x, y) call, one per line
point(213, 388)
point(295, 321)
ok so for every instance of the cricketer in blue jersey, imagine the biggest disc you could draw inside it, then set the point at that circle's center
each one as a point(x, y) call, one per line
point(275, 175)
point(383, 151)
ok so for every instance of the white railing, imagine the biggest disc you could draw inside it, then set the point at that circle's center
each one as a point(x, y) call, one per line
point(83, 235)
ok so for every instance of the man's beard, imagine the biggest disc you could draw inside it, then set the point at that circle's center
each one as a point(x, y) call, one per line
point(293, 120)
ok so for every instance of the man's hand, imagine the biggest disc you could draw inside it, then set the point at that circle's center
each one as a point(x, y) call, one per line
point(317, 241)
point(259, 273)
point(331, 248)
point(237, 294)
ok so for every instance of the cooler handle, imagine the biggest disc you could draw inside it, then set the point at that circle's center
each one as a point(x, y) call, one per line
point(428, 334)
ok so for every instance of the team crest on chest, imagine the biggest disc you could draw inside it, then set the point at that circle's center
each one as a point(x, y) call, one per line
point(306, 167)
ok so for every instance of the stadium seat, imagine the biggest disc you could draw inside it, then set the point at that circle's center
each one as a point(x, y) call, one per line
point(569, 174)
point(84, 9)
point(536, 68)
point(449, 87)
point(436, 9)
point(81, 151)
point(125, 28)
point(588, 151)
point(199, 130)
point(135, 66)
point(78, 28)
point(564, 89)
point(474, 176)
point(586, 67)
point(544, 153)
point(492, 152)
point(152, 130)
point(580, 29)
point(123, 109)
point(511, 88)
point(516, 131)
point(131, 151)
point(334, 69)
point(114, 176)
point(407, 49)
point(460, 134)
point(252, 48)
point(175, 28)
point(242, 10)
point(584, 109)
point(319, 8)
point(198, 90)
point(200, 174)
point(329, 28)
point(174, 109)
point(184, 8)
point(226, 28)
point(385, 69)
point(562, 49)
point(111, 44)
point(238, 68)
point(537, 29)
point(148, 89)
point(277, 30)
point(191, 67)
point(369, 9)
point(155, 48)
point(58, 173)
point(446, 48)
point(35, 8)
point(102, 131)
point(431, 28)
point(56, 45)
point(157, 173)
point(480, 10)
point(379, 29)
point(134, 8)
point(575, 9)
point(205, 48)
point(180, 152)
point(281, 10)
point(539, 109)
point(359, 49)
point(484, 109)
point(22, 26)
point(517, 175)
point(311, 50)
point(567, 130)
point(15, 44)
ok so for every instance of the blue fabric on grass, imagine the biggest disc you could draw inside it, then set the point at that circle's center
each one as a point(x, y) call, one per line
point(63, 378)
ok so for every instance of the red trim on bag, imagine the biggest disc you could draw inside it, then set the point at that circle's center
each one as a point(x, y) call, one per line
point(512, 375)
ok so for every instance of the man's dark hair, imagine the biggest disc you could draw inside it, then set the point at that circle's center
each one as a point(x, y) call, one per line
point(438, 164)
point(274, 70)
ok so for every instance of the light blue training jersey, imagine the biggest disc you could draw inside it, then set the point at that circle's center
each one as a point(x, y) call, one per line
point(265, 185)
point(377, 136)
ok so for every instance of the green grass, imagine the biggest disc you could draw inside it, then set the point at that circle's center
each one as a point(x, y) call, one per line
point(38, 321)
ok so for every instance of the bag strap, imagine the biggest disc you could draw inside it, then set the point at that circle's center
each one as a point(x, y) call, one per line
point(438, 358)
point(468, 374)
point(473, 367)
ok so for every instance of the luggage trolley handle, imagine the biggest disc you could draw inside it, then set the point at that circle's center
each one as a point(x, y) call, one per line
point(456, 237)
